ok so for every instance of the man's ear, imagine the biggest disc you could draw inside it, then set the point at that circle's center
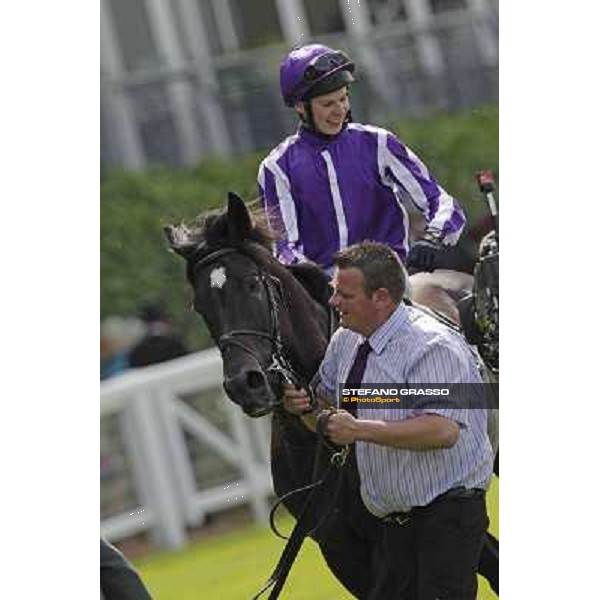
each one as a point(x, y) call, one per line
point(382, 297)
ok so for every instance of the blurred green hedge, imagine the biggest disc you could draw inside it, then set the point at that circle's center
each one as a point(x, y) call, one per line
point(136, 266)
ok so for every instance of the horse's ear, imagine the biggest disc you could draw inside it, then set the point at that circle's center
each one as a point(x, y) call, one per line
point(238, 219)
point(178, 240)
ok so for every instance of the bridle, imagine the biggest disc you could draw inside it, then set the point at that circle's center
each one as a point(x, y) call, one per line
point(279, 362)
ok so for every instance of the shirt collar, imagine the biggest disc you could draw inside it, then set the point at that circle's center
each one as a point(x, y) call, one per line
point(317, 139)
point(380, 337)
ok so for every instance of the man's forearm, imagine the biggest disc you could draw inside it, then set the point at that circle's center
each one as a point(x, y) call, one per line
point(420, 433)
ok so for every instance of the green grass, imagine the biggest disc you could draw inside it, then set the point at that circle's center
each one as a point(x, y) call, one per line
point(235, 566)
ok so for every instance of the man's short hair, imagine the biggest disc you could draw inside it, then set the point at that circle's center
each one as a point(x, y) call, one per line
point(379, 265)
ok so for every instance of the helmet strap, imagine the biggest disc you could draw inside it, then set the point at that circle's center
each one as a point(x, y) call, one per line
point(309, 119)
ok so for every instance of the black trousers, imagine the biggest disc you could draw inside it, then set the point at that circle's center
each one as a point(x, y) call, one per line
point(489, 562)
point(435, 553)
point(118, 579)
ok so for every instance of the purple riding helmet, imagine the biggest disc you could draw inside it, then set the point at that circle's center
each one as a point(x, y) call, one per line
point(313, 70)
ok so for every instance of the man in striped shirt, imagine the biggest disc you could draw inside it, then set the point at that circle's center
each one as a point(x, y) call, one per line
point(423, 471)
point(334, 183)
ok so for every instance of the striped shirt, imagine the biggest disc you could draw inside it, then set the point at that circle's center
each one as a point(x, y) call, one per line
point(323, 194)
point(412, 347)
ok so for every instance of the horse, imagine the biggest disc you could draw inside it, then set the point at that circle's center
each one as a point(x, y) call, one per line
point(272, 323)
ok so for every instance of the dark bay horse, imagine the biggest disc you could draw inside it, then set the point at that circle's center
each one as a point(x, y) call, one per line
point(272, 322)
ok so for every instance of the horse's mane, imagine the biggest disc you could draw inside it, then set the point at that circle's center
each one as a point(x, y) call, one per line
point(314, 281)
point(211, 227)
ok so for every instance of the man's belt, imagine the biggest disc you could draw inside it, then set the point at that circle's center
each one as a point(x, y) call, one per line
point(402, 518)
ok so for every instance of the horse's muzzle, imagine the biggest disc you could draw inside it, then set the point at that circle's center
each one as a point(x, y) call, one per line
point(251, 390)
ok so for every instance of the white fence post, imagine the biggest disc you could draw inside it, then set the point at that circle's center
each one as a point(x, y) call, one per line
point(169, 531)
point(183, 472)
point(420, 17)
point(250, 469)
point(294, 22)
point(179, 90)
point(124, 124)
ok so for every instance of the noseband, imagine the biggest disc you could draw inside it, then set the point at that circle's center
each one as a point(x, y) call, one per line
point(279, 363)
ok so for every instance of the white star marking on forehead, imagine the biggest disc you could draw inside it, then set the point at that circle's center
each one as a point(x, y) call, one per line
point(218, 277)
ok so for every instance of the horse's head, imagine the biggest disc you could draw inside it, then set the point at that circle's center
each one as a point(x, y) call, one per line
point(266, 325)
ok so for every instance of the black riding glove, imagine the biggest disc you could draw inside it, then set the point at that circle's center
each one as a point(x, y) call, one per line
point(423, 253)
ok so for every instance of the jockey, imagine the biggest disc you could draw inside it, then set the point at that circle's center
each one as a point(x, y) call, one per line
point(334, 182)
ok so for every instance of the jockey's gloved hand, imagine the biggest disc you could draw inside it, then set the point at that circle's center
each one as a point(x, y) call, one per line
point(422, 255)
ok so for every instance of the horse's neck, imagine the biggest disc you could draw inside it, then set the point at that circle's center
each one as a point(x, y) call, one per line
point(290, 428)
point(309, 335)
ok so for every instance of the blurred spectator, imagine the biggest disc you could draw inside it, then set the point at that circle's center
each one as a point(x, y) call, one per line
point(160, 343)
point(117, 336)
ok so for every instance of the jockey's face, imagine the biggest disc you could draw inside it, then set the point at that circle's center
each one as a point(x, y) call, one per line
point(329, 111)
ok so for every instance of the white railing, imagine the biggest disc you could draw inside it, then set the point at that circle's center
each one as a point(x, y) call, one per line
point(154, 419)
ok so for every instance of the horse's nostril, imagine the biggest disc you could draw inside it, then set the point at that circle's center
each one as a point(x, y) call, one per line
point(254, 379)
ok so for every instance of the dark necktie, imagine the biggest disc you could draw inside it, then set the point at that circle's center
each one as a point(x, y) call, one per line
point(357, 371)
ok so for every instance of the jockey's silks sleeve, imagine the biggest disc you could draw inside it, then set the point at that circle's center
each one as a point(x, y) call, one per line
point(416, 184)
